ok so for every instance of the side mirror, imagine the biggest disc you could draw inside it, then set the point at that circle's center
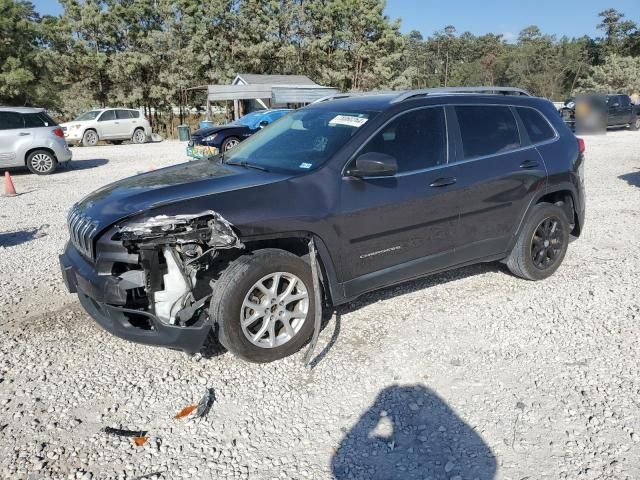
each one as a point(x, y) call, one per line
point(263, 124)
point(374, 164)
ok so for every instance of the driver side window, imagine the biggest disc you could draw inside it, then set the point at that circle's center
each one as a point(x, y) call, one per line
point(416, 139)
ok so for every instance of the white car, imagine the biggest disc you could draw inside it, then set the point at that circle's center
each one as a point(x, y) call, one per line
point(110, 124)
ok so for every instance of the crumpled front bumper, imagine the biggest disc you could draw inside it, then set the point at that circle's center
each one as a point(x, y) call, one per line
point(104, 299)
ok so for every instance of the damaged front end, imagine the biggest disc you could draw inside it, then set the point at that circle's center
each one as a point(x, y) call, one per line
point(151, 277)
point(176, 258)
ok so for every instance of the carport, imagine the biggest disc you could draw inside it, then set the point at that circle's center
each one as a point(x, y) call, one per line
point(250, 92)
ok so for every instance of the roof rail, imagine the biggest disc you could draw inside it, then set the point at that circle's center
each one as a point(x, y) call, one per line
point(337, 96)
point(457, 90)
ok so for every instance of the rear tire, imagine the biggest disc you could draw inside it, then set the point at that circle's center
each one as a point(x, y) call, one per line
point(542, 243)
point(41, 162)
point(237, 287)
point(139, 136)
point(90, 138)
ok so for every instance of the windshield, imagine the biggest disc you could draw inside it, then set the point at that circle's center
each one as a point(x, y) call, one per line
point(88, 115)
point(249, 119)
point(300, 141)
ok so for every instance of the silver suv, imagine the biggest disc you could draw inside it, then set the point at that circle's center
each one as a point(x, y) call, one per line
point(111, 124)
point(29, 137)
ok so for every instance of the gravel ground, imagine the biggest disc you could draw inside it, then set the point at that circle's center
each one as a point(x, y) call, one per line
point(469, 374)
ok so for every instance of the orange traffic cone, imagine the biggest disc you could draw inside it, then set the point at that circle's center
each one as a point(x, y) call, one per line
point(9, 189)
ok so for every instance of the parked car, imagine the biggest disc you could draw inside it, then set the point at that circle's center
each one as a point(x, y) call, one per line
point(31, 138)
point(386, 188)
point(213, 140)
point(612, 110)
point(112, 124)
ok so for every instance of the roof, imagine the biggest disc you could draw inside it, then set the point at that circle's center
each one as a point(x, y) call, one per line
point(21, 109)
point(253, 79)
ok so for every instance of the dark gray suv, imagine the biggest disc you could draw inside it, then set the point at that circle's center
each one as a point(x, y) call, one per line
point(339, 198)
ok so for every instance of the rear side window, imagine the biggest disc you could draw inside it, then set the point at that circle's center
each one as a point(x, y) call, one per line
point(123, 114)
point(625, 101)
point(107, 115)
point(417, 140)
point(39, 119)
point(11, 120)
point(487, 130)
point(537, 126)
point(134, 113)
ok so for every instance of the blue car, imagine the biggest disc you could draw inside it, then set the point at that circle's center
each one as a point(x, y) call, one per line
point(210, 141)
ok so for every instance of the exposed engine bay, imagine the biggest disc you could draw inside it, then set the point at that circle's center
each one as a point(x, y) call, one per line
point(177, 263)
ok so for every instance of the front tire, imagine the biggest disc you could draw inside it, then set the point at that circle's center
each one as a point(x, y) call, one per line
point(542, 243)
point(635, 125)
point(41, 162)
point(229, 143)
point(263, 304)
point(90, 138)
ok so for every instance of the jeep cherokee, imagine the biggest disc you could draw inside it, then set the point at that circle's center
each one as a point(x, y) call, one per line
point(385, 188)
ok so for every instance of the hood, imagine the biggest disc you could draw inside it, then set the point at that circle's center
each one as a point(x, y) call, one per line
point(205, 132)
point(76, 122)
point(135, 195)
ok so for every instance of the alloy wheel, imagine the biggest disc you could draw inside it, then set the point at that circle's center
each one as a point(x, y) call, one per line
point(139, 136)
point(274, 310)
point(91, 138)
point(42, 162)
point(546, 243)
point(230, 144)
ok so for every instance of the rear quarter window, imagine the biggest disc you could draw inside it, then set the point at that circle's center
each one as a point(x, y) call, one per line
point(537, 126)
point(487, 130)
point(39, 119)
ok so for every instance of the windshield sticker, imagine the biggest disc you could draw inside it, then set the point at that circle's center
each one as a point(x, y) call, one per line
point(348, 120)
point(305, 165)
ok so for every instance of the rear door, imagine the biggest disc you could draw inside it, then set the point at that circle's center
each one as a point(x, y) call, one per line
point(15, 139)
point(626, 110)
point(500, 172)
point(125, 123)
point(386, 223)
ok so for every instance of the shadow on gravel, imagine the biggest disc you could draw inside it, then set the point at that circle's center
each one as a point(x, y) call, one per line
point(11, 239)
point(84, 164)
point(632, 178)
point(410, 433)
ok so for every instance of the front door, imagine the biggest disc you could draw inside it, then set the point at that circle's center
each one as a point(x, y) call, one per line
point(107, 124)
point(392, 226)
point(500, 172)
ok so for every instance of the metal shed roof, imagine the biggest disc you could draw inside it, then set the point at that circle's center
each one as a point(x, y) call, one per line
point(255, 79)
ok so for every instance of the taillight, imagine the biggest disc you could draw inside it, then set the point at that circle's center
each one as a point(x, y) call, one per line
point(581, 145)
point(58, 132)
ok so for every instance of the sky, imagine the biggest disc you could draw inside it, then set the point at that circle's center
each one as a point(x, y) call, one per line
point(573, 18)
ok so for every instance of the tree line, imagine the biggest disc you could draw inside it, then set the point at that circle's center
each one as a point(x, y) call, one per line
point(142, 53)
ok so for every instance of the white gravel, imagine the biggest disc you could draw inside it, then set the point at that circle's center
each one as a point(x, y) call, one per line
point(469, 374)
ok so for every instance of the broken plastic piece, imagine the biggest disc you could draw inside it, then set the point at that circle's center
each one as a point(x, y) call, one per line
point(121, 432)
point(139, 441)
point(317, 303)
point(185, 411)
point(205, 403)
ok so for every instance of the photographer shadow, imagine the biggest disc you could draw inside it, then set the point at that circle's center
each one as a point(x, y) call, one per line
point(411, 433)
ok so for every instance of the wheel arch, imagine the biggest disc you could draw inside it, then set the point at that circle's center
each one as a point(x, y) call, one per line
point(298, 244)
point(46, 149)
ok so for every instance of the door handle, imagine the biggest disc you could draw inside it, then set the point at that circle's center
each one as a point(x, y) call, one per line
point(117, 123)
point(24, 134)
point(443, 182)
point(529, 164)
